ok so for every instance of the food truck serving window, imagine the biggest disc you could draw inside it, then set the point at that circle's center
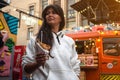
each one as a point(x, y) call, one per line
point(111, 46)
point(85, 46)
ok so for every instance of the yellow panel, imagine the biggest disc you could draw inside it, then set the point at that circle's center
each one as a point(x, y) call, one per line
point(1, 25)
point(110, 77)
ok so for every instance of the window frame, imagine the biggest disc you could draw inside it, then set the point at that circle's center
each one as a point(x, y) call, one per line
point(111, 48)
point(29, 32)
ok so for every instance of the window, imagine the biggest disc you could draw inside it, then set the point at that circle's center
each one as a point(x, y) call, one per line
point(30, 32)
point(71, 20)
point(8, 1)
point(86, 47)
point(44, 3)
point(31, 10)
point(71, 11)
point(58, 2)
point(80, 47)
point(111, 46)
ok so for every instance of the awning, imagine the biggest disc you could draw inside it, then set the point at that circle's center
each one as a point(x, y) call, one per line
point(3, 3)
point(99, 11)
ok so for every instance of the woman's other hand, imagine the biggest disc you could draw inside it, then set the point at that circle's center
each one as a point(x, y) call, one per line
point(41, 58)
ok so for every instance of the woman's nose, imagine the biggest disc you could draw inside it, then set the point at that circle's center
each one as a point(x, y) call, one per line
point(50, 14)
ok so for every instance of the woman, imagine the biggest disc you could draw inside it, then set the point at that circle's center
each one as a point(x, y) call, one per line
point(62, 63)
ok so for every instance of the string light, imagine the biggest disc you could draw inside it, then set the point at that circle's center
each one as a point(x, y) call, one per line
point(118, 1)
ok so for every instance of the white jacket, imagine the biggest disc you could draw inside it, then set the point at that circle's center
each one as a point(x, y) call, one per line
point(64, 65)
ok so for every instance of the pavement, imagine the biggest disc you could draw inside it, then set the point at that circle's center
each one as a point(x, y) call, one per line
point(4, 78)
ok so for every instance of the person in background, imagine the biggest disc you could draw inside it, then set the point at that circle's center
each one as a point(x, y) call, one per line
point(63, 63)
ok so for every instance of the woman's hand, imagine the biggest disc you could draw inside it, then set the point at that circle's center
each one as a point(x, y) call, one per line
point(40, 61)
point(41, 58)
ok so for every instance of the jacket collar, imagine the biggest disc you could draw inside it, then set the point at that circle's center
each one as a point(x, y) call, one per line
point(59, 34)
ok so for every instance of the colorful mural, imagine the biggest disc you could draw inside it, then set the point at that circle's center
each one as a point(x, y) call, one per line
point(12, 23)
point(9, 24)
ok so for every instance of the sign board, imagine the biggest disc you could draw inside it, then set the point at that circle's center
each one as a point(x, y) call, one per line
point(29, 20)
point(17, 68)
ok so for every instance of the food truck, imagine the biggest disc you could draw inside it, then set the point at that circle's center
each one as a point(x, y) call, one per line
point(99, 53)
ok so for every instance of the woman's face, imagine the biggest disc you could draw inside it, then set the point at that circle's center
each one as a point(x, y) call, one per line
point(52, 18)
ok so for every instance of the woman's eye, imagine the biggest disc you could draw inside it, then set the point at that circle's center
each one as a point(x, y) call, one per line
point(54, 12)
point(47, 13)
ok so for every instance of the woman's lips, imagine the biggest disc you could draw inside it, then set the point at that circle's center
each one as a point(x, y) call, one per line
point(51, 18)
